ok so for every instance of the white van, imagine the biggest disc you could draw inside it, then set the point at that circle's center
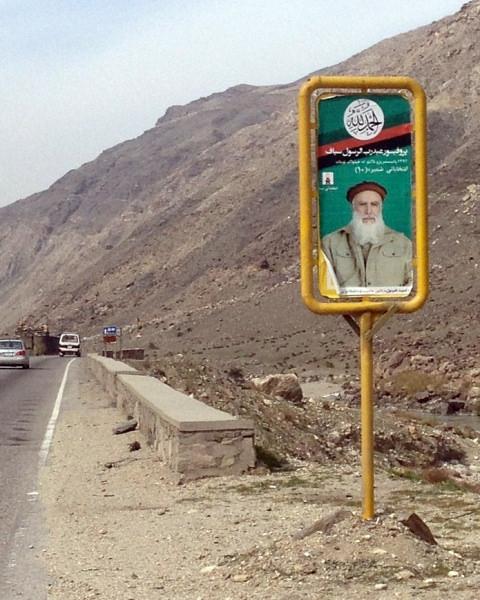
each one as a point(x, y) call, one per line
point(69, 344)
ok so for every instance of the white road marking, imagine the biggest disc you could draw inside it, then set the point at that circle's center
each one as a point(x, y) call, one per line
point(19, 533)
point(47, 440)
point(19, 538)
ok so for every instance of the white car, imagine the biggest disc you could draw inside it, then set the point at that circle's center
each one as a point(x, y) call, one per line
point(69, 344)
point(14, 354)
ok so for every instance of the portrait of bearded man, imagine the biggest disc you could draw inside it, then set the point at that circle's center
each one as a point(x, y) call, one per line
point(366, 252)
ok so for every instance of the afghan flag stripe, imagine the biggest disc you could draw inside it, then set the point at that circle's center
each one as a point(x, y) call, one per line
point(386, 134)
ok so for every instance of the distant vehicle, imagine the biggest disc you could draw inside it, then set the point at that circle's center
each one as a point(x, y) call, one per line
point(69, 344)
point(14, 354)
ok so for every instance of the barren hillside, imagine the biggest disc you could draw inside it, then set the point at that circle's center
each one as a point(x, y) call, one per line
point(190, 230)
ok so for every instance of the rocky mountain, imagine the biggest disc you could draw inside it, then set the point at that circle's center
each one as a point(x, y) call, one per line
point(187, 235)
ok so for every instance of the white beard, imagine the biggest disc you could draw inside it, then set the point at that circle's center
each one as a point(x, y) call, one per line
point(367, 233)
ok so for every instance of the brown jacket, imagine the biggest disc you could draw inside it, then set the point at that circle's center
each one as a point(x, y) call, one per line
point(389, 263)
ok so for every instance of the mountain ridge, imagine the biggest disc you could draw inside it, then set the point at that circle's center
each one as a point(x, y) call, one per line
point(199, 213)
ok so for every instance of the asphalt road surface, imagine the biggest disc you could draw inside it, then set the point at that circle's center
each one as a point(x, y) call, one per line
point(29, 400)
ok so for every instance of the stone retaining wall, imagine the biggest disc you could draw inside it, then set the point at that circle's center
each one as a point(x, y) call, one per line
point(193, 439)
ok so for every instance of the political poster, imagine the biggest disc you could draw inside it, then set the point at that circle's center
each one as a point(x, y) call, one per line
point(364, 183)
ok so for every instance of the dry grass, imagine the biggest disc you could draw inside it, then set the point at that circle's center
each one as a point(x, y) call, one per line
point(437, 475)
point(413, 381)
point(448, 478)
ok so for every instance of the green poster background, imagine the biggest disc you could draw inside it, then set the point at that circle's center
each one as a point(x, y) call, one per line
point(350, 161)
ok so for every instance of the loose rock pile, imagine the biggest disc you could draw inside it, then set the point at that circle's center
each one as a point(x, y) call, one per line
point(319, 430)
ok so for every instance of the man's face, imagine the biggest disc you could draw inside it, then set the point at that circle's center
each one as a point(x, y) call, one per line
point(368, 206)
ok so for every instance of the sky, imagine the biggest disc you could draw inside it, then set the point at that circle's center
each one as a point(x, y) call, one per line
point(79, 76)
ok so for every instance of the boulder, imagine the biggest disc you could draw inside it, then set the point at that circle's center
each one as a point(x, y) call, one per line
point(474, 393)
point(473, 402)
point(419, 528)
point(284, 386)
point(396, 359)
point(125, 427)
point(422, 397)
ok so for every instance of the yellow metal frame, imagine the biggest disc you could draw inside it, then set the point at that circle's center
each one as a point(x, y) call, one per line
point(338, 84)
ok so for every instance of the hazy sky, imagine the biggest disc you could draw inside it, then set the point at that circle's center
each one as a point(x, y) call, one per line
point(79, 76)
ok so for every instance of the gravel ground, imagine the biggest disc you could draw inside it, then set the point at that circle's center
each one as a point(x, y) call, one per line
point(120, 529)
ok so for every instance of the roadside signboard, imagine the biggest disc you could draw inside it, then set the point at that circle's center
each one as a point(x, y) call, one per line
point(110, 330)
point(363, 195)
point(110, 334)
point(363, 203)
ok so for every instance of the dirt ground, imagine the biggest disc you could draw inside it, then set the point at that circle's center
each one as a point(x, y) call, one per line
point(119, 529)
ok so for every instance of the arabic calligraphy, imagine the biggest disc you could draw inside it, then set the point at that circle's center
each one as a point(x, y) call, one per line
point(349, 152)
point(380, 169)
point(363, 119)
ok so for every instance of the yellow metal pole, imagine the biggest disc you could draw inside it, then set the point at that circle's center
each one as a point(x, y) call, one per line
point(366, 406)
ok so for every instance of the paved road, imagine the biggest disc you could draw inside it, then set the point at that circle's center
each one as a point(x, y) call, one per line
point(27, 400)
